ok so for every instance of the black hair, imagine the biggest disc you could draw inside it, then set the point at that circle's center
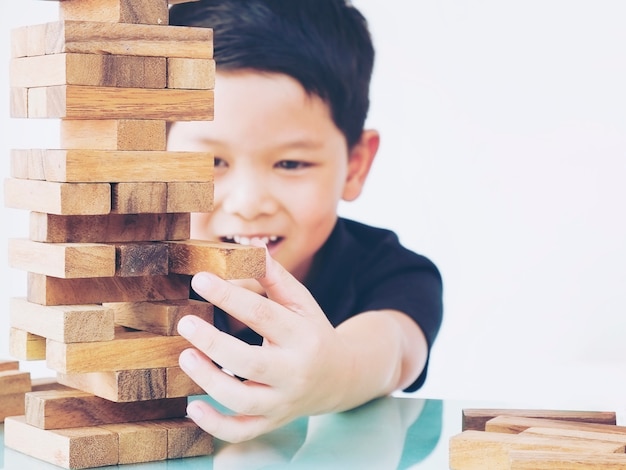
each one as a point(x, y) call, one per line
point(324, 44)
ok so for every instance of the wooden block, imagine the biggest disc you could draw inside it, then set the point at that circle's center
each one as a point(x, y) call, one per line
point(186, 439)
point(479, 450)
point(28, 164)
point(120, 385)
point(58, 198)
point(66, 323)
point(533, 460)
point(140, 442)
point(11, 404)
point(117, 11)
point(74, 448)
point(26, 346)
point(180, 384)
point(9, 364)
point(476, 418)
point(576, 434)
point(64, 260)
point(108, 228)
point(41, 384)
point(29, 40)
point(90, 70)
point(92, 102)
point(517, 424)
point(227, 260)
point(159, 317)
point(18, 102)
point(190, 197)
point(74, 408)
point(19, 42)
point(112, 134)
point(47, 290)
point(14, 381)
point(101, 166)
point(129, 350)
point(139, 198)
point(141, 259)
point(191, 74)
point(123, 39)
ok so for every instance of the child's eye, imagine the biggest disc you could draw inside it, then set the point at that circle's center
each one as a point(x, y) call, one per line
point(291, 165)
point(218, 162)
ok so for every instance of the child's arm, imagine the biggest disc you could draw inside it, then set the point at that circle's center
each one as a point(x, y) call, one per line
point(305, 365)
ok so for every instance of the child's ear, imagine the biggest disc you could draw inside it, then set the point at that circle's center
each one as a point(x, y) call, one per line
point(359, 163)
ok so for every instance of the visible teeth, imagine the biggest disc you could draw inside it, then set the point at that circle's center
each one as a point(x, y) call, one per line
point(247, 240)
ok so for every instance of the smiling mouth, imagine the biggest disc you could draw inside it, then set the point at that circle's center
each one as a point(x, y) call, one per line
point(242, 240)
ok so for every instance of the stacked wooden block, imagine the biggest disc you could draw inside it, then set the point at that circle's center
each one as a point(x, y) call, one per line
point(108, 255)
point(493, 439)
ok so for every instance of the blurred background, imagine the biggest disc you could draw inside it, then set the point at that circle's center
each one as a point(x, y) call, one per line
point(503, 159)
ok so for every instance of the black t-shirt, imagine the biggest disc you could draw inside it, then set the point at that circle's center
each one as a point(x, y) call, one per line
point(362, 268)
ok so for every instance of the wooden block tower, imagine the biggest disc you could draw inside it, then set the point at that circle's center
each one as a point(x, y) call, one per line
point(108, 253)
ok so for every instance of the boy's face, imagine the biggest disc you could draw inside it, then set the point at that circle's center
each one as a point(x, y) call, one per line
point(281, 166)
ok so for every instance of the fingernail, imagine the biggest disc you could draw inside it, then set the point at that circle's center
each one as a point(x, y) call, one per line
point(194, 411)
point(201, 282)
point(187, 326)
point(188, 360)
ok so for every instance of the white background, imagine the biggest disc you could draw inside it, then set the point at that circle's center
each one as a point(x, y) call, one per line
point(503, 159)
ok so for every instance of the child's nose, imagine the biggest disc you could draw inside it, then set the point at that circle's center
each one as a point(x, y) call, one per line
point(248, 196)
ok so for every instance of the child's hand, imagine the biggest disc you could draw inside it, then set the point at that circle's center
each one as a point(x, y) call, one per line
point(302, 368)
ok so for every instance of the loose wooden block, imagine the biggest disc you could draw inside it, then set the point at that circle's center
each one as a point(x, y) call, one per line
point(18, 102)
point(74, 408)
point(26, 346)
point(139, 198)
point(95, 37)
point(64, 260)
point(479, 450)
point(180, 384)
point(117, 11)
point(190, 197)
point(140, 442)
point(74, 448)
point(186, 439)
point(517, 424)
point(67, 323)
point(108, 228)
point(47, 290)
point(11, 404)
point(14, 381)
point(576, 434)
point(9, 364)
point(192, 74)
point(94, 102)
point(58, 198)
point(533, 460)
point(27, 164)
point(227, 260)
point(112, 134)
point(120, 385)
point(129, 350)
point(141, 259)
point(159, 317)
point(476, 418)
point(90, 70)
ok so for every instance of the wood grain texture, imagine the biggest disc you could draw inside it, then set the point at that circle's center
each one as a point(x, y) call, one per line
point(58, 198)
point(191, 74)
point(67, 324)
point(75, 448)
point(159, 317)
point(108, 228)
point(180, 384)
point(14, 381)
point(26, 346)
point(140, 442)
point(11, 404)
point(92, 102)
point(56, 409)
point(117, 11)
point(18, 102)
point(186, 439)
point(141, 259)
point(64, 260)
point(227, 260)
point(537, 460)
point(9, 364)
point(120, 385)
point(517, 424)
point(475, 418)
point(89, 70)
point(129, 350)
point(113, 134)
point(189, 197)
point(576, 434)
point(47, 290)
point(139, 198)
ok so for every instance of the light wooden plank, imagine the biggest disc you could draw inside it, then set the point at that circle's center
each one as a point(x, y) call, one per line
point(186, 439)
point(58, 198)
point(11, 404)
point(75, 448)
point(14, 381)
point(190, 197)
point(129, 350)
point(47, 290)
point(26, 346)
point(537, 460)
point(67, 323)
point(64, 260)
point(517, 424)
point(475, 418)
point(140, 442)
point(117, 11)
point(180, 384)
point(9, 364)
point(159, 317)
point(191, 74)
point(18, 102)
point(113, 134)
point(227, 260)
